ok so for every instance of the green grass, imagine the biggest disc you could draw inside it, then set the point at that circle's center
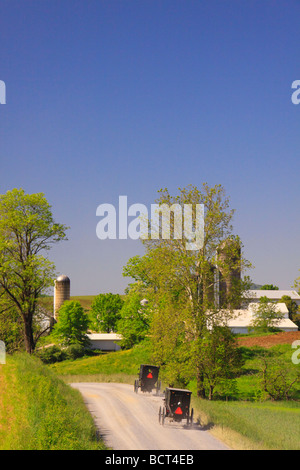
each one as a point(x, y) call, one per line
point(269, 425)
point(262, 425)
point(40, 412)
point(107, 364)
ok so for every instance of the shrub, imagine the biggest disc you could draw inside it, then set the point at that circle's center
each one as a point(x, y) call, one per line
point(74, 351)
point(277, 380)
point(51, 355)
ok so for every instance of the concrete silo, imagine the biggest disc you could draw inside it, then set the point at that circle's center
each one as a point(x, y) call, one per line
point(61, 292)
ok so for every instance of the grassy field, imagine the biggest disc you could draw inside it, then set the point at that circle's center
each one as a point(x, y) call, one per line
point(265, 425)
point(38, 411)
point(85, 301)
point(120, 366)
point(244, 422)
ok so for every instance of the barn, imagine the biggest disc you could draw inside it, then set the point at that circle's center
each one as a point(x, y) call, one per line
point(241, 321)
point(105, 341)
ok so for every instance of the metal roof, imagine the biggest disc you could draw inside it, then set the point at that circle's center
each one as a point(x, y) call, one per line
point(271, 294)
point(244, 317)
point(104, 336)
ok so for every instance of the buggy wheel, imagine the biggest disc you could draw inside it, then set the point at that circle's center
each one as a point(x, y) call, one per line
point(163, 417)
point(191, 417)
point(158, 386)
point(136, 386)
point(159, 415)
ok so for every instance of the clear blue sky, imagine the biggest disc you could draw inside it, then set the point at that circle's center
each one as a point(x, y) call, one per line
point(109, 98)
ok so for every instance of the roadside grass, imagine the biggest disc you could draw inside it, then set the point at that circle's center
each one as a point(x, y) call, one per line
point(14, 427)
point(266, 425)
point(40, 412)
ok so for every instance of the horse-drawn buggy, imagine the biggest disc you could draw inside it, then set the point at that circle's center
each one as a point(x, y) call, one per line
point(177, 406)
point(148, 379)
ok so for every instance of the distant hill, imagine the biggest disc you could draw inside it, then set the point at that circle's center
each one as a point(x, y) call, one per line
point(255, 286)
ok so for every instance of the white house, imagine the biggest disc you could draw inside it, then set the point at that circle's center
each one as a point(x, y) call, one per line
point(105, 341)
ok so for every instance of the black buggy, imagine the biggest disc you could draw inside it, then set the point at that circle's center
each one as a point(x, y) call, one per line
point(148, 379)
point(177, 406)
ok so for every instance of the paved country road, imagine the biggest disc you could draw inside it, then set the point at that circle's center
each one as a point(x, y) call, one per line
point(129, 421)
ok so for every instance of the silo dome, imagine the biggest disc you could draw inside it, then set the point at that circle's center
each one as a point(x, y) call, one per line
point(63, 278)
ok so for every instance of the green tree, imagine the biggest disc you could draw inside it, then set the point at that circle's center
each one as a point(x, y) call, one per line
point(72, 324)
point(291, 305)
point(266, 316)
point(105, 312)
point(293, 309)
point(135, 320)
point(186, 279)
point(278, 380)
point(296, 285)
point(269, 287)
point(11, 329)
point(220, 357)
point(27, 231)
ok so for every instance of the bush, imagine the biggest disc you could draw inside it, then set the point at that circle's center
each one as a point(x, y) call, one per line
point(75, 351)
point(277, 380)
point(51, 355)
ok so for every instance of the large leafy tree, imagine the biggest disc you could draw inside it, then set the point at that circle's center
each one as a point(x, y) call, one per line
point(27, 231)
point(186, 281)
point(72, 324)
point(105, 312)
point(134, 320)
point(266, 315)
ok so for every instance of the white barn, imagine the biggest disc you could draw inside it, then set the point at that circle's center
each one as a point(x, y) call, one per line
point(273, 295)
point(105, 341)
point(242, 319)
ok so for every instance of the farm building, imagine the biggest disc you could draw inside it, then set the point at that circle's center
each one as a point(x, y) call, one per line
point(273, 295)
point(243, 318)
point(105, 341)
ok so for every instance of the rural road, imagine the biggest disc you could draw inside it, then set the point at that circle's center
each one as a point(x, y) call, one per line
point(129, 421)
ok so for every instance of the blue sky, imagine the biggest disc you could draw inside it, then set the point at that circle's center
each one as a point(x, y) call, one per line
point(109, 98)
